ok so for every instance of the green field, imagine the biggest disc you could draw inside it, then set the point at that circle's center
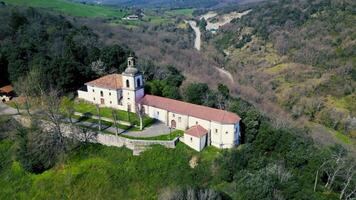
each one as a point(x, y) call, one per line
point(74, 9)
point(185, 12)
point(114, 14)
point(99, 172)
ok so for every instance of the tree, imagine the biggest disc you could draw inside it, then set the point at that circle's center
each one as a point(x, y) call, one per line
point(222, 95)
point(98, 67)
point(37, 149)
point(140, 113)
point(114, 58)
point(83, 134)
point(51, 113)
point(349, 184)
point(99, 116)
point(195, 93)
point(202, 24)
point(114, 116)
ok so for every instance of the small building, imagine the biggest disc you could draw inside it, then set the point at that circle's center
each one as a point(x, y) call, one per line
point(196, 137)
point(6, 93)
point(132, 17)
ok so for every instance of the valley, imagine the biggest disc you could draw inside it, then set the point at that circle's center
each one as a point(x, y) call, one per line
point(285, 68)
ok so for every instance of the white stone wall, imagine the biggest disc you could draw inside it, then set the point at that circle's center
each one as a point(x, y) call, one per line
point(195, 143)
point(193, 121)
point(156, 113)
point(222, 135)
point(181, 120)
point(216, 134)
point(111, 97)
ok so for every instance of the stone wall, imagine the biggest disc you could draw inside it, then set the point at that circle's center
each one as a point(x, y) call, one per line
point(137, 146)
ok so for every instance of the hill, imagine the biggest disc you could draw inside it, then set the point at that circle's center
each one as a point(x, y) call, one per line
point(171, 4)
point(297, 56)
point(74, 9)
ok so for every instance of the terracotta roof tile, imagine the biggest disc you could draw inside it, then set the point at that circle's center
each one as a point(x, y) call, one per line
point(111, 81)
point(6, 89)
point(193, 110)
point(196, 131)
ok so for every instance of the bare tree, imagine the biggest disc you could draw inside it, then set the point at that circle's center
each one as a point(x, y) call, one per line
point(334, 169)
point(24, 89)
point(99, 116)
point(83, 134)
point(98, 67)
point(348, 188)
point(50, 112)
point(140, 113)
point(17, 106)
point(29, 86)
point(114, 116)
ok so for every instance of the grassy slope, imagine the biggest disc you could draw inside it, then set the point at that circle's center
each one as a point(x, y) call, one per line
point(74, 9)
point(116, 15)
point(99, 172)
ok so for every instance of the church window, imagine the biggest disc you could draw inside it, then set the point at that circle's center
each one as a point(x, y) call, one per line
point(138, 82)
point(191, 139)
point(157, 113)
point(93, 90)
point(109, 93)
point(101, 93)
point(196, 122)
point(127, 83)
point(110, 102)
point(226, 132)
point(216, 130)
point(94, 98)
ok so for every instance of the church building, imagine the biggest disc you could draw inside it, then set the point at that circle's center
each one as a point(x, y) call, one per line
point(202, 125)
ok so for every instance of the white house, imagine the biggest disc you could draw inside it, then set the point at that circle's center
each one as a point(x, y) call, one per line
point(126, 92)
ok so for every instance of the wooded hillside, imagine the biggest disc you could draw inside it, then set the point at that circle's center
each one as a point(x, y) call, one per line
point(299, 56)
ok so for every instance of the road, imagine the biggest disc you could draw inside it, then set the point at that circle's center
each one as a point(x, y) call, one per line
point(197, 41)
point(225, 73)
point(7, 110)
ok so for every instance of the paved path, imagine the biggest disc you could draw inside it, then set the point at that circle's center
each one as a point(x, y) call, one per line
point(7, 110)
point(155, 129)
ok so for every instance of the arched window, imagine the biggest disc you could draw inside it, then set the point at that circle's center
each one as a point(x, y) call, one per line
point(127, 83)
point(138, 82)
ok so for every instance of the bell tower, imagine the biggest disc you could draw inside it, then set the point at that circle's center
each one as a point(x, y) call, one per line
point(133, 87)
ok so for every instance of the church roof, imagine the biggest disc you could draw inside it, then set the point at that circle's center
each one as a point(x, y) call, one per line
point(111, 81)
point(198, 111)
point(196, 131)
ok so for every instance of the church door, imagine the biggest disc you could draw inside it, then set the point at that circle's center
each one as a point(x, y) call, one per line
point(102, 101)
point(173, 124)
